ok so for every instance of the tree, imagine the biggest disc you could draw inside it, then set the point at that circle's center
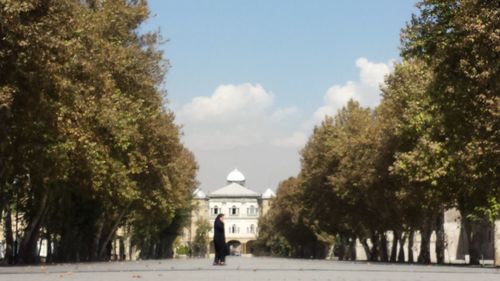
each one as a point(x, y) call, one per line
point(432, 144)
point(339, 165)
point(459, 42)
point(408, 117)
point(201, 239)
point(285, 231)
point(89, 143)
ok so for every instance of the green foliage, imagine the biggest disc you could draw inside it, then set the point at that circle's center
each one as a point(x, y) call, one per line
point(284, 230)
point(459, 41)
point(275, 245)
point(201, 239)
point(431, 144)
point(279, 247)
point(183, 250)
point(86, 135)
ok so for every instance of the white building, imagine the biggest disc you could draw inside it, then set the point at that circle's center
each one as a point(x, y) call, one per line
point(241, 206)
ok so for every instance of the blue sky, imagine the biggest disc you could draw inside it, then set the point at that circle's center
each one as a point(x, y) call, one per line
point(292, 60)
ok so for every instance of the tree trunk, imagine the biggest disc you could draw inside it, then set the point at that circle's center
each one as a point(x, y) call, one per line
point(440, 238)
point(94, 253)
point(27, 248)
point(401, 254)
point(425, 250)
point(411, 236)
point(472, 240)
point(384, 257)
point(49, 247)
point(396, 237)
point(77, 252)
point(329, 254)
point(113, 229)
point(352, 249)
point(368, 253)
point(122, 256)
point(375, 248)
point(1, 223)
point(342, 248)
point(9, 237)
point(129, 242)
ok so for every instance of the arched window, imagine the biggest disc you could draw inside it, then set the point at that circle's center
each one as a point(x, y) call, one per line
point(234, 228)
point(215, 210)
point(252, 211)
point(233, 211)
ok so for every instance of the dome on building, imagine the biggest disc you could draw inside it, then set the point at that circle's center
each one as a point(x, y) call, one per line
point(235, 176)
point(268, 194)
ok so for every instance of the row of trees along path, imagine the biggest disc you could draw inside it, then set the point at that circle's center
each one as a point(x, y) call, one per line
point(432, 144)
point(86, 143)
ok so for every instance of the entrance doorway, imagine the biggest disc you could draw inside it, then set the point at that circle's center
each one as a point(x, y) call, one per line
point(234, 247)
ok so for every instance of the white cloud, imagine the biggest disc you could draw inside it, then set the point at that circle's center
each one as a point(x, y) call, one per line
point(229, 101)
point(235, 115)
point(283, 113)
point(365, 90)
point(296, 139)
point(372, 74)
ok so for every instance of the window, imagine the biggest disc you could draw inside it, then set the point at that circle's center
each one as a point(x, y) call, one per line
point(233, 211)
point(252, 228)
point(234, 229)
point(252, 211)
point(215, 210)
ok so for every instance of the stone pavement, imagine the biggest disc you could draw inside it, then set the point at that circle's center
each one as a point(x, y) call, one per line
point(244, 268)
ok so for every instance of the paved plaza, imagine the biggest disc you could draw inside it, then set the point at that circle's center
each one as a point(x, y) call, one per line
point(243, 268)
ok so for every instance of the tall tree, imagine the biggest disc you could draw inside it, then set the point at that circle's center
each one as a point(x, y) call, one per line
point(459, 40)
point(89, 142)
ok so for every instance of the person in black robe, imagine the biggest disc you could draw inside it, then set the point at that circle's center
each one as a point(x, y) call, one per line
point(220, 240)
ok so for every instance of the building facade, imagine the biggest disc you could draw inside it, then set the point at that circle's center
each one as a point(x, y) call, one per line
point(242, 207)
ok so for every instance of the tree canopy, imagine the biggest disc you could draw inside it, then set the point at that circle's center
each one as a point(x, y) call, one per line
point(88, 144)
